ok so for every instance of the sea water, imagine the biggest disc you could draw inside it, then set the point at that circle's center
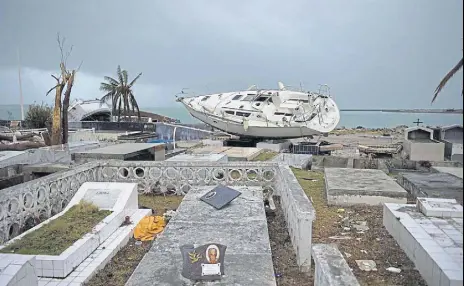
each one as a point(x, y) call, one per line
point(348, 119)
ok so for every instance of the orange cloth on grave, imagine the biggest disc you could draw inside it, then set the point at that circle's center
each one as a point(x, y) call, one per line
point(148, 227)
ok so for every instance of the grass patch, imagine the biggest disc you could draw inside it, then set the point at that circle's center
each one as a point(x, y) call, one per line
point(265, 156)
point(313, 184)
point(159, 203)
point(56, 236)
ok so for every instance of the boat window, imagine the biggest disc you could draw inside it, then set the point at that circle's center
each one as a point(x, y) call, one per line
point(283, 114)
point(249, 97)
point(299, 100)
point(205, 98)
point(230, 112)
point(241, 106)
point(262, 98)
point(244, 114)
point(237, 97)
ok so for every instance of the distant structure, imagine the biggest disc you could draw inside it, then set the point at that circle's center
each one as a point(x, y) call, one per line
point(451, 136)
point(419, 145)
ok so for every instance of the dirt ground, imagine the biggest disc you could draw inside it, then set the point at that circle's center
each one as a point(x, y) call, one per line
point(123, 264)
point(333, 223)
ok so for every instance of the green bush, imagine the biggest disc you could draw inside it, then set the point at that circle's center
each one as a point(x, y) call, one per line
point(38, 116)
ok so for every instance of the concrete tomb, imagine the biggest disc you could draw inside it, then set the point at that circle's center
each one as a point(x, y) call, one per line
point(432, 185)
point(434, 244)
point(125, 152)
point(98, 246)
point(419, 145)
point(241, 226)
point(199, 158)
point(456, 171)
point(300, 161)
point(346, 186)
point(452, 136)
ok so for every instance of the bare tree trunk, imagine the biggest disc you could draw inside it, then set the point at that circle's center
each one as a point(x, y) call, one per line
point(67, 96)
point(56, 123)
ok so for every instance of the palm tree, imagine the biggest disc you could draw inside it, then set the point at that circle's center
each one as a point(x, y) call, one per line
point(119, 92)
point(447, 77)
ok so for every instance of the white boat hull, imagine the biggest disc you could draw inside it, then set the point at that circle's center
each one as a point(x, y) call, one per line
point(266, 113)
point(252, 131)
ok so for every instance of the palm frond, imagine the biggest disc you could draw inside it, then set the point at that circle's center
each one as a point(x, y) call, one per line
point(447, 77)
point(120, 76)
point(107, 97)
point(111, 80)
point(134, 80)
point(125, 76)
point(107, 87)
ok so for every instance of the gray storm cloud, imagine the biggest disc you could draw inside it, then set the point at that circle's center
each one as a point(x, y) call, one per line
point(372, 53)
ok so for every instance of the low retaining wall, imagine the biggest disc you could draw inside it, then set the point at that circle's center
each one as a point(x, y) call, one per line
point(299, 215)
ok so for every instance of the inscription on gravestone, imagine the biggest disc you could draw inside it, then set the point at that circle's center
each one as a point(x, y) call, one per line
point(205, 262)
point(103, 198)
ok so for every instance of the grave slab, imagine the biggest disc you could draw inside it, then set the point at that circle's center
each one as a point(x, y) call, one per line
point(432, 185)
point(199, 158)
point(210, 150)
point(445, 208)
point(241, 226)
point(435, 245)
point(124, 151)
point(242, 153)
point(347, 186)
point(456, 171)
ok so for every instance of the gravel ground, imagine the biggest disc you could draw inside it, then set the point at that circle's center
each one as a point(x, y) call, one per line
point(334, 223)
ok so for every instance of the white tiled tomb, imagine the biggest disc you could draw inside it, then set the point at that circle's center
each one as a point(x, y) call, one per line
point(434, 244)
point(120, 198)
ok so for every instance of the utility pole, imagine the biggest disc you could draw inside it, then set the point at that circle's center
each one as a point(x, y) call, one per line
point(20, 88)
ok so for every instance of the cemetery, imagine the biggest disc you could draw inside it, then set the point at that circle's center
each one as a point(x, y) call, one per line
point(229, 216)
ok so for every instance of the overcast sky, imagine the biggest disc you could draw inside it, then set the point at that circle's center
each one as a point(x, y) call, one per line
point(373, 53)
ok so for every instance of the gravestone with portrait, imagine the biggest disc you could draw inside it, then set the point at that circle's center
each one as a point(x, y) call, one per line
point(205, 262)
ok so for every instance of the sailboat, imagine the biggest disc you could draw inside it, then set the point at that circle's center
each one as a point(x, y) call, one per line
point(266, 113)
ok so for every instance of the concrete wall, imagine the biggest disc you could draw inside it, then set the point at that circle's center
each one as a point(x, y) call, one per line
point(299, 215)
point(417, 151)
point(166, 132)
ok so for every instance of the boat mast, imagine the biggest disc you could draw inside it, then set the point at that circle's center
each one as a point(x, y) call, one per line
point(20, 88)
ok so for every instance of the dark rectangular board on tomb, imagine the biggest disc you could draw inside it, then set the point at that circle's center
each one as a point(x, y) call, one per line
point(220, 196)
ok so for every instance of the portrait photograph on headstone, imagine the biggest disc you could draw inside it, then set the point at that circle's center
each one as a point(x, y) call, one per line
point(205, 262)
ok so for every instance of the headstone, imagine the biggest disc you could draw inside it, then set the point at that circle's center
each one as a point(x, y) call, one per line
point(103, 198)
point(220, 196)
point(205, 262)
point(438, 207)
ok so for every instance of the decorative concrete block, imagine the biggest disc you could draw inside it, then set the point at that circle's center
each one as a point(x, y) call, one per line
point(330, 267)
point(435, 207)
